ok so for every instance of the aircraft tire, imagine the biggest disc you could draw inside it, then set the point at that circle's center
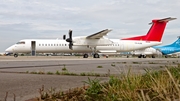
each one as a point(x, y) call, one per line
point(139, 56)
point(153, 56)
point(107, 56)
point(15, 55)
point(85, 56)
point(96, 55)
point(144, 56)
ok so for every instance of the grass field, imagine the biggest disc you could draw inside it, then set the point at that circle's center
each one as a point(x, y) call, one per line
point(151, 86)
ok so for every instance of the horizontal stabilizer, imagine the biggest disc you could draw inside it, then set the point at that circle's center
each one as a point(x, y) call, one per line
point(162, 20)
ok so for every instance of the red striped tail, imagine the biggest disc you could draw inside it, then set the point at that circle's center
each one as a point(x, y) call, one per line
point(156, 31)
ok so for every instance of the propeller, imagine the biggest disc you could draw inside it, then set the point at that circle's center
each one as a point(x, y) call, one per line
point(64, 37)
point(70, 40)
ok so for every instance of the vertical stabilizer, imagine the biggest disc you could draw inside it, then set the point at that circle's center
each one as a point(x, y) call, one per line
point(176, 43)
point(156, 31)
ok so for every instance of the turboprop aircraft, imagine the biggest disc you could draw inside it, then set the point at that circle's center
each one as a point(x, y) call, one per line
point(95, 43)
point(155, 50)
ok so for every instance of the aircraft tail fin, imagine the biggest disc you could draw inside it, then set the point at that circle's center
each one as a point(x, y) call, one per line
point(176, 43)
point(156, 31)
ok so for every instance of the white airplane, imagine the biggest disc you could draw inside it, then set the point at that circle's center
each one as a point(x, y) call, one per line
point(96, 43)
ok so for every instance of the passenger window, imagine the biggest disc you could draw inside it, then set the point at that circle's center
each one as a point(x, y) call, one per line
point(39, 44)
point(21, 42)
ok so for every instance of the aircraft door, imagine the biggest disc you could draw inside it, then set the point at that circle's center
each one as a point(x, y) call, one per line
point(33, 48)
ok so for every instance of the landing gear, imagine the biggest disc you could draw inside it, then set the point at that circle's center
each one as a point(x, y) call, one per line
point(107, 56)
point(85, 56)
point(165, 56)
point(15, 55)
point(142, 56)
point(153, 56)
point(96, 55)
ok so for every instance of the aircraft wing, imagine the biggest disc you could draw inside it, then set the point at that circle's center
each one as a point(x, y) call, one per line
point(98, 35)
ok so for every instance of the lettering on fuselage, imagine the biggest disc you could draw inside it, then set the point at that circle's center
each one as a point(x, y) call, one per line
point(138, 42)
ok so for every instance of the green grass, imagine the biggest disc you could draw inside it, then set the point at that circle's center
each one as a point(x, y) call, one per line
point(99, 66)
point(151, 86)
point(64, 69)
point(66, 73)
point(33, 72)
point(113, 65)
point(136, 63)
point(152, 63)
point(50, 73)
point(89, 74)
point(57, 72)
point(83, 74)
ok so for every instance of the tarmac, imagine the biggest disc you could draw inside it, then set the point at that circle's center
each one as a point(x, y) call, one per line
point(18, 78)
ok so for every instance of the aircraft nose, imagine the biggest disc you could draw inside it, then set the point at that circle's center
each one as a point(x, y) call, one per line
point(9, 50)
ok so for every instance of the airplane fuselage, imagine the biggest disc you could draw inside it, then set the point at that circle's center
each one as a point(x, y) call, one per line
point(169, 50)
point(61, 46)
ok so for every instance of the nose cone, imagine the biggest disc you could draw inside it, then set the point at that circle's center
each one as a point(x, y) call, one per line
point(9, 50)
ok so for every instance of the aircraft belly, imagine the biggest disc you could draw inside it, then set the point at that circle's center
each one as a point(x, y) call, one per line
point(81, 49)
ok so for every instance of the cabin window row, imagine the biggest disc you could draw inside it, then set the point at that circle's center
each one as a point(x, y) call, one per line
point(52, 44)
point(114, 45)
point(66, 45)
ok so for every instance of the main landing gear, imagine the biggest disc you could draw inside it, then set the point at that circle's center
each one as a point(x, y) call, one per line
point(85, 56)
point(142, 56)
point(96, 55)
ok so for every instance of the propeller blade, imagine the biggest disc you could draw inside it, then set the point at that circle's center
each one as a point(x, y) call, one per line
point(70, 40)
point(70, 34)
point(70, 45)
point(64, 37)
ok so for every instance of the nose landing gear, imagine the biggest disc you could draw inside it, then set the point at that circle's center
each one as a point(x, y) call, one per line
point(15, 55)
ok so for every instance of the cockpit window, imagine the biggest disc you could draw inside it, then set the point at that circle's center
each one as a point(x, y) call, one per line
point(21, 42)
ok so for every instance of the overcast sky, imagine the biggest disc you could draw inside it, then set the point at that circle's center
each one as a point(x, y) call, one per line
point(51, 19)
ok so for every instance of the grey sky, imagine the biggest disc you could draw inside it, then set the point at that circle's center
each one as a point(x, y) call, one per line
point(26, 19)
